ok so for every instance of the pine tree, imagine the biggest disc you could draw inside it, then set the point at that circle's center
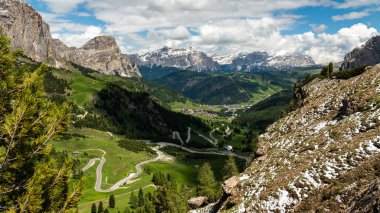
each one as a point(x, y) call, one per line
point(31, 179)
point(112, 201)
point(141, 198)
point(100, 207)
point(230, 169)
point(93, 208)
point(325, 71)
point(133, 201)
point(331, 69)
point(207, 183)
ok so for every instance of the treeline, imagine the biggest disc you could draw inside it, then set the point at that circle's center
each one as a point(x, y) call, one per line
point(138, 116)
point(135, 146)
point(326, 72)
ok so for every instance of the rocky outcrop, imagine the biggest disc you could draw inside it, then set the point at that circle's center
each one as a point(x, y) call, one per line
point(185, 59)
point(314, 160)
point(367, 55)
point(197, 202)
point(27, 30)
point(100, 54)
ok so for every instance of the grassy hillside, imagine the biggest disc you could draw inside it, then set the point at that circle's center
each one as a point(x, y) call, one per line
point(264, 113)
point(229, 88)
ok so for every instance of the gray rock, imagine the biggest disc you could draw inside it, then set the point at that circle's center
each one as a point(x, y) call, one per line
point(100, 54)
point(27, 30)
point(186, 59)
point(197, 201)
point(368, 54)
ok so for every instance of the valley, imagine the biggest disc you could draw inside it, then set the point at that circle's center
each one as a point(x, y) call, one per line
point(239, 114)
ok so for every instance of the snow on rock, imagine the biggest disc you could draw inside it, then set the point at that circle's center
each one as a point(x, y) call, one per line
point(311, 146)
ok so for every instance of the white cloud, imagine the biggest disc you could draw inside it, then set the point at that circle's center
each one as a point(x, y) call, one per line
point(356, 3)
point(77, 39)
point(178, 33)
point(351, 16)
point(137, 15)
point(63, 6)
point(213, 26)
point(318, 28)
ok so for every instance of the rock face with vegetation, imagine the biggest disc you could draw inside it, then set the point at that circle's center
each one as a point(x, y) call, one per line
point(27, 30)
point(101, 54)
point(30, 33)
point(368, 54)
point(324, 155)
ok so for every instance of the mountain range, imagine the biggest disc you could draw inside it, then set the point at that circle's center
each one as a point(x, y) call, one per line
point(29, 32)
point(195, 60)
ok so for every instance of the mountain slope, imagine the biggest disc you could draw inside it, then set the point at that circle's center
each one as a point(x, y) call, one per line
point(30, 33)
point(27, 30)
point(324, 156)
point(368, 54)
point(100, 54)
point(261, 61)
point(185, 59)
point(229, 88)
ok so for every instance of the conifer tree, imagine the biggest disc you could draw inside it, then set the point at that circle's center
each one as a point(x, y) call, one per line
point(112, 201)
point(100, 207)
point(331, 69)
point(325, 71)
point(230, 169)
point(133, 201)
point(141, 198)
point(31, 179)
point(93, 208)
point(207, 183)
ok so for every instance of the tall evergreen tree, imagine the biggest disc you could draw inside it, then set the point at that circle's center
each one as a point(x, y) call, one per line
point(325, 71)
point(230, 169)
point(93, 208)
point(112, 201)
point(207, 183)
point(31, 179)
point(141, 198)
point(331, 69)
point(100, 207)
point(133, 201)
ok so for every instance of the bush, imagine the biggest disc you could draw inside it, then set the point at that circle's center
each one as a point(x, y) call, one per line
point(347, 74)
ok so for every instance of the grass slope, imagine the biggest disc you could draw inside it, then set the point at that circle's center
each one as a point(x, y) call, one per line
point(229, 88)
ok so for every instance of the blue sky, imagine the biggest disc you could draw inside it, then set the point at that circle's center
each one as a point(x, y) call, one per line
point(323, 29)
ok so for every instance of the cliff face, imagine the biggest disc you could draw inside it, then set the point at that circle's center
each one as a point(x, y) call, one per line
point(186, 59)
point(27, 30)
point(323, 156)
point(368, 54)
point(101, 54)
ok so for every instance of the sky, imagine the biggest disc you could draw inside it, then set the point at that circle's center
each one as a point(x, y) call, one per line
point(324, 29)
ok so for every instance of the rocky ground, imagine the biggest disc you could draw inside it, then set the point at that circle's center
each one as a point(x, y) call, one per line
point(324, 156)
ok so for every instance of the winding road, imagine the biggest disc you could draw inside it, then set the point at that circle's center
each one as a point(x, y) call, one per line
point(132, 176)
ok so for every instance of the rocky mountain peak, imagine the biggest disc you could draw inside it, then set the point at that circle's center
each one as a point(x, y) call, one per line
point(101, 43)
point(100, 54)
point(368, 54)
point(27, 30)
point(186, 59)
